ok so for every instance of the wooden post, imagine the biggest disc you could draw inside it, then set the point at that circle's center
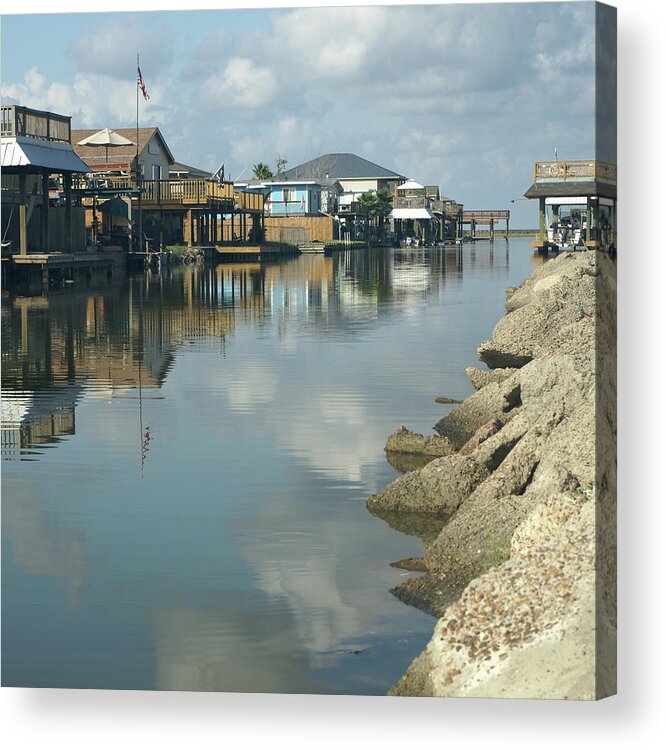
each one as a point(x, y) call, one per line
point(67, 179)
point(542, 220)
point(506, 236)
point(45, 211)
point(23, 224)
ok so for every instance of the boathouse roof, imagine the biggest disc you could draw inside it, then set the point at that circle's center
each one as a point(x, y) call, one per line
point(341, 167)
point(36, 138)
point(22, 151)
point(566, 189)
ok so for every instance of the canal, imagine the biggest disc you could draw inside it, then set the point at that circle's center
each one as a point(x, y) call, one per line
point(187, 456)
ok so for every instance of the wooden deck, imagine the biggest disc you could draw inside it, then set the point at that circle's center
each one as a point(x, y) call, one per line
point(61, 267)
point(248, 253)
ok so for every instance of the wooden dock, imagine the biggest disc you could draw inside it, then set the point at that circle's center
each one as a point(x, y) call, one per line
point(248, 253)
point(52, 268)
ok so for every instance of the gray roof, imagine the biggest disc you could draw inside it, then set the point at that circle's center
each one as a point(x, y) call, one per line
point(194, 171)
point(22, 152)
point(341, 167)
point(570, 188)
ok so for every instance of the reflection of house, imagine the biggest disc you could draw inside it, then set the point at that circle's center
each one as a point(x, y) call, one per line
point(36, 147)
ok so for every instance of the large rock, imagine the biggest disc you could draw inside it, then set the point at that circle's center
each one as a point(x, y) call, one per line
point(480, 378)
point(406, 441)
point(526, 629)
point(494, 401)
point(532, 547)
point(440, 487)
point(552, 312)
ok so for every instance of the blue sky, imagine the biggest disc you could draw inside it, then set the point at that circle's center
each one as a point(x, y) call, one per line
point(463, 96)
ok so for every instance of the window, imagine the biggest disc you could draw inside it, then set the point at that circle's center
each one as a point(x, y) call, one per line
point(288, 195)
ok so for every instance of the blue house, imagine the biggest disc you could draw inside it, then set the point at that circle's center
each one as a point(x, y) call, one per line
point(291, 197)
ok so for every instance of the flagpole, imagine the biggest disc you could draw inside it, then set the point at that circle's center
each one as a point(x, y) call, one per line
point(138, 168)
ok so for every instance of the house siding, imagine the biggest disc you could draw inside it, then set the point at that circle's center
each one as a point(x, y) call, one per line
point(154, 155)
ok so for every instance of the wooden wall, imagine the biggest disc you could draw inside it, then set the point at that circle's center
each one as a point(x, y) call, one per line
point(314, 228)
point(56, 229)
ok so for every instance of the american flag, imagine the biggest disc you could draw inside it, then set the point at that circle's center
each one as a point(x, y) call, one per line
point(141, 84)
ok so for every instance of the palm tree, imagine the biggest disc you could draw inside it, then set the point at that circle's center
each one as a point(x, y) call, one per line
point(262, 171)
point(378, 204)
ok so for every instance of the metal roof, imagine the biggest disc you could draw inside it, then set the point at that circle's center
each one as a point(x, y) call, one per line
point(341, 167)
point(21, 152)
point(572, 187)
point(411, 213)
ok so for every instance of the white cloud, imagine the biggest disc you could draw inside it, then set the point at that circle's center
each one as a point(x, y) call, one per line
point(432, 91)
point(244, 83)
point(108, 48)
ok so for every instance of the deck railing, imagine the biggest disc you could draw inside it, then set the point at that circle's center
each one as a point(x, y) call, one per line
point(193, 192)
point(248, 201)
point(578, 169)
point(184, 192)
point(34, 123)
point(481, 215)
point(410, 201)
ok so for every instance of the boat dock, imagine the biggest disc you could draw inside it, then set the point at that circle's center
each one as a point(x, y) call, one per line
point(58, 268)
point(259, 253)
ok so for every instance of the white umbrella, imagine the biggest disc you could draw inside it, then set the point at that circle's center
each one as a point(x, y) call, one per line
point(106, 138)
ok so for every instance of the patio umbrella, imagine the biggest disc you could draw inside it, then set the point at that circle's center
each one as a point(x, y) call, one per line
point(106, 138)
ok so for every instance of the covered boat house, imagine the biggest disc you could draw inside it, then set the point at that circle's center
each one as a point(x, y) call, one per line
point(577, 204)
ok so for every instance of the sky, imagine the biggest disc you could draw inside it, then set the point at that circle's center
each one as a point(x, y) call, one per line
point(466, 97)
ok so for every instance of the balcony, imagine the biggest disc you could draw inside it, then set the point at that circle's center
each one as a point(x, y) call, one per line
point(583, 170)
point(410, 201)
point(33, 123)
point(176, 193)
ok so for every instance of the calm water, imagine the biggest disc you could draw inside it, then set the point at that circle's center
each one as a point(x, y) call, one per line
point(186, 460)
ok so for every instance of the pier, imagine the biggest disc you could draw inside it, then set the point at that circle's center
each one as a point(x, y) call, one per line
point(488, 218)
point(51, 269)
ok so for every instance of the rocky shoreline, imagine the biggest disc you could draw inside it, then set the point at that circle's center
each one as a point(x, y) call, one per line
point(514, 500)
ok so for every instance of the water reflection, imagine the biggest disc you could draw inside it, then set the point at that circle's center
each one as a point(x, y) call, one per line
point(114, 340)
point(199, 522)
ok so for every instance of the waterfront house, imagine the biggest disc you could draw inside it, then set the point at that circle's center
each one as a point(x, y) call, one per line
point(354, 174)
point(297, 211)
point(412, 215)
point(36, 158)
point(155, 157)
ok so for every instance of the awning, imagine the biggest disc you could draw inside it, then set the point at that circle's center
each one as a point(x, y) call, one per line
point(31, 152)
point(115, 207)
point(411, 213)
